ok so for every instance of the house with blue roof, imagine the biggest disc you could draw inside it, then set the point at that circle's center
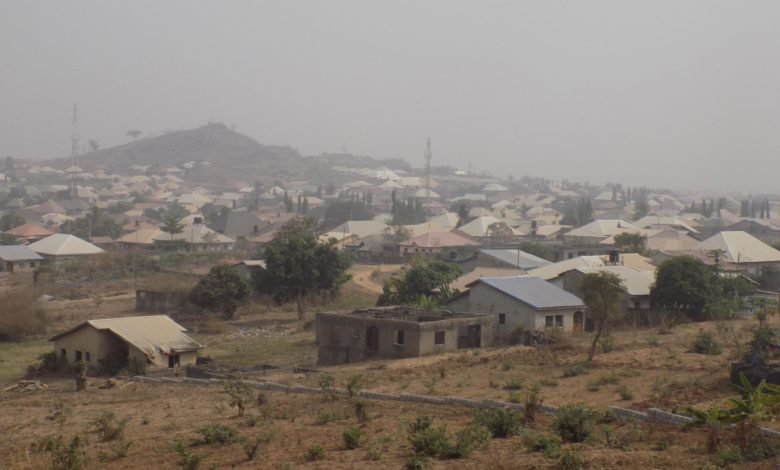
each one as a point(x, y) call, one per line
point(527, 302)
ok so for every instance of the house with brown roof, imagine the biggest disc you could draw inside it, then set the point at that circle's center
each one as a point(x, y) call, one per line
point(29, 233)
point(446, 244)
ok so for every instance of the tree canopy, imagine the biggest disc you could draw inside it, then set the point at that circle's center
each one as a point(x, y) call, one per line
point(631, 242)
point(172, 225)
point(341, 210)
point(685, 283)
point(603, 293)
point(10, 220)
point(299, 265)
point(94, 224)
point(426, 278)
point(222, 290)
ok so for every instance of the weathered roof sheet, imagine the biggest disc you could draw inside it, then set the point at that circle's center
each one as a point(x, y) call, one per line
point(18, 253)
point(151, 334)
point(61, 244)
point(636, 282)
point(517, 258)
point(740, 247)
point(534, 291)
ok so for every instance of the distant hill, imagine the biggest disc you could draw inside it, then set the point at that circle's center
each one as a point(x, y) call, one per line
point(213, 143)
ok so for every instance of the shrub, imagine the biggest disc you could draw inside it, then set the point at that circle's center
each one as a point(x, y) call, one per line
point(417, 462)
point(327, 382)
point(352, 437)
point(49, 363)
point(513, 384)
point(354, 384)
point(108, 427)
point(499, 421)
point(427, 440)
point(251, 449)
point(574, 423)
point(69, 456)
point(361, 410)
point(663, 443)
point(608, 344)
point(706, 344)
point(623, 438)
point(240, 393)
point(112, 363)
point(118, 451)
point(653, 341)
point(625, 393)
point(728, 455)
point(575, 370)
point(218, 434)
point(515, 397)
point(571, 460)
point(315, 452)
point(548, 382)
point(533, 400)
point(373, 453)
point(21, 315)
point(187, 459)
point(325, 417)
point(549, 445)
point(607, 379)
point(468, 439)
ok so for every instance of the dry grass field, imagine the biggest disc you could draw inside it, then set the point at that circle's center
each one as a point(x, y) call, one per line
point(640, 369)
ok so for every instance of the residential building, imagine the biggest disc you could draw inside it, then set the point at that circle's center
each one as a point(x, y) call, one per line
point(396, 332)
point(151, 341)
point(62, 247)
point(18, 259)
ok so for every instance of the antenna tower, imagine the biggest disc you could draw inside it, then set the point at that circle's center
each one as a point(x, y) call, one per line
point(74, 150)
point(428, 156)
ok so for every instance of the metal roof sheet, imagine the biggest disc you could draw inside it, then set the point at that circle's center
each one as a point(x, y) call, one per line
point(534, 291)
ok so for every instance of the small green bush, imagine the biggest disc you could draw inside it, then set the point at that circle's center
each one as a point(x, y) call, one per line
point(513, 384)
point(373, 452)
point(187, 459)
point(251, 449)
point(549, 445)
point(354, 384)
point(663, 443)
point(548, 382)
point(417, 462)
point(575, 370)
point(361, 410)
point(499, 421)
point(108, 427)
point(607, 344)
point(571, 460)
point(118, 451)
point(70, 456)
point(706, 344)
point(425, 439)
point(625, 393)
point(472, 437)
point(574, 423)
point(315, 452)
point(326, 417)
point(327, 382)
point(727, 456)
point(218, 434)
point(352, 437)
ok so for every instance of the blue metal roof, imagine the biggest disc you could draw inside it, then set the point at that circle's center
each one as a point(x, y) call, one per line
point(534, 291)
point(517, 258)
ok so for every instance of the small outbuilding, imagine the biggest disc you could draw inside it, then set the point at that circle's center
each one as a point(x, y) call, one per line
point(397, 332)
point(153, 341)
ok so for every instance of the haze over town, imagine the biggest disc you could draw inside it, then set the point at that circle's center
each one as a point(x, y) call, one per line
point(675, 94)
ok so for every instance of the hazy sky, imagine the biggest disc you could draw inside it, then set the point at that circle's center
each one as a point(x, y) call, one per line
point(682, 94)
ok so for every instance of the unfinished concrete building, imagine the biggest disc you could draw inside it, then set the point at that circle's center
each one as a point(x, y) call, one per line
point(397, 332)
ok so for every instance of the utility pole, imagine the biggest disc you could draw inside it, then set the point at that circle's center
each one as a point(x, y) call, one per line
point(74, 151)
point(428, 156)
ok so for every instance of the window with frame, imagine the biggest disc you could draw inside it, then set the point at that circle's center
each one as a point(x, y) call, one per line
point(399, 337)
point(559, 321)
point(502, 318)
point(549, 321)
point(438, 338)
point(87, 356)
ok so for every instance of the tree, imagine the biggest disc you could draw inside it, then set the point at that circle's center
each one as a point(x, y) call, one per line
point(685, 283)
point(134, 134)
point(221, 290)
point(425, 278)
point(10, 220)
point(305, 205)
point(396, 234)
point(631, 242)
point(94, 224)
point(641, 206)
point(172, 225)
point(299, 265)
point(94, 145)
point(341, 210)
point(499, 230)
point(603, 293)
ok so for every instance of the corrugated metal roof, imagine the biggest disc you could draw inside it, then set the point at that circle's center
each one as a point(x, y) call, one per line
point(740, 247)
point(18, 253)
point(61, 244)
point(534, 291)
point(151, 334)
point(635, 282)
point(517, 258)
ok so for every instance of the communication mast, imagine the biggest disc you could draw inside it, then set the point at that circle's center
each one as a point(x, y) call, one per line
point(428, 156)
point(74, 151)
